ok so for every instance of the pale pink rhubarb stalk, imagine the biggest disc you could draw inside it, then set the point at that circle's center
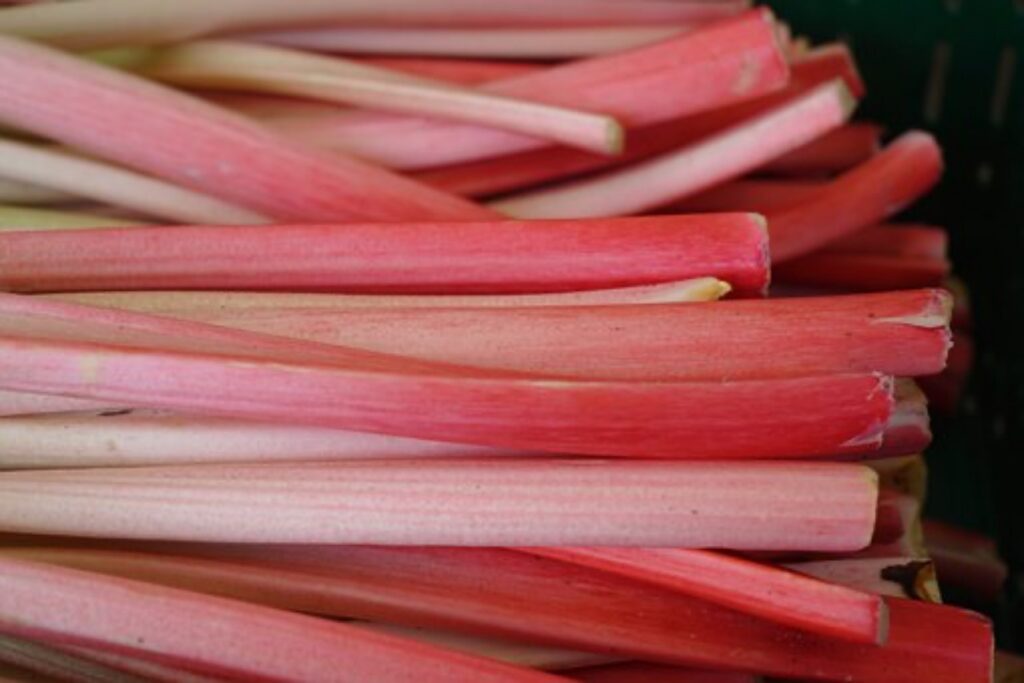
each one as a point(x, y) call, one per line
point(487, 42)
point(189, 142)
point(677, 174)
point(866, 195)
point(105, 23)
point(727, 62)
point(900, 333)
point(860, 272)
point(217, 636)
point(234, 65)
point(183, 303)
point(124, 437)
point(901, 577)
point(89, 179)
point(645, 672)
point(461, 71)
point(833, 152)
point(21, 403)
point(503, 257)
point(824, 507)
point(481, 591)
point(138, 360)
point(760, 590)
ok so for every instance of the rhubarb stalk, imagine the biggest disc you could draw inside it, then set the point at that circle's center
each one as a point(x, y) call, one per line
point(760, 590)
point(411, 258)
point(218, 636)
point(899, 333)
point(826, 507)
point(194, 144)
point(669, 177)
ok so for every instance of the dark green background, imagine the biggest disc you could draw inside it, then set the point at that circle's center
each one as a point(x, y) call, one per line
point(965, 57)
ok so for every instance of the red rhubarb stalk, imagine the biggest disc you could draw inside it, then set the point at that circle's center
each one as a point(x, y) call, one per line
point(902, 333)
point(901, 577)
point(753, 194)
point(726, 62)
point(827, 507)
point(896, 239)
point(481, 590)
point(873, 191)
point(645, 672)
point(671, 176)
point(234, 65)
point(102, 182)
point(138, 360)
point(749, 587)
point(833, 152)
point(488, 42)
point(194, 144)
point(413, 258)
point(862, 272)
point(218, 636)
point(105, 23)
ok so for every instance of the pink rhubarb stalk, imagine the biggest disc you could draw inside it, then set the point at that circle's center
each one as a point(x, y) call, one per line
point(873, 191)
point(487, 42)
point(217, 636)
point(194, 144)
point(234, 65)
point(412, 258)
point(749, 587)
point(901, 577)
point(481, 591)
point(824, 507)
point(22, 403)
point(105, 23)
point(65, 349)
point(461, 71)
point(109, 184)
point(671, 176)
point(726, 62)
point(126, 437)
point(517, 171)
point(899, 333)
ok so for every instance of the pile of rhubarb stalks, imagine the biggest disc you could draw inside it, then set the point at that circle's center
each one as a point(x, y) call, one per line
point(432, 340)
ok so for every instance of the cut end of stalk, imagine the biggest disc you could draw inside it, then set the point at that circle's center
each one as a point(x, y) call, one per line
point(614, 136)
point(937, 312)
point(766, 249)
point(875, 434)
